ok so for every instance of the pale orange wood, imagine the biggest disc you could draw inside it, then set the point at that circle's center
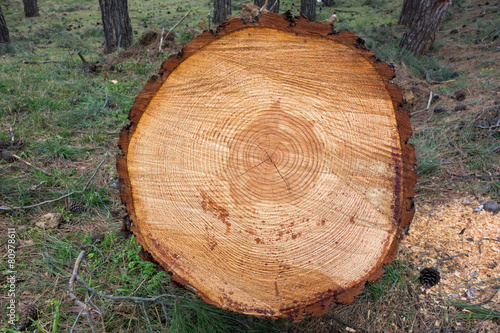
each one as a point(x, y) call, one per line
point(267, 167)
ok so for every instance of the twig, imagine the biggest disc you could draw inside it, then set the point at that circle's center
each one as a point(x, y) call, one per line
point(485, 238)
point(441, 329)
point(127, 298)
point(430, 100)
point(30, 165)
point(490, 127)
point(79, 314)
point(347, 11)
point(182, 19)
point(71, 290)
point(161, 39)
point(449, 258)
point(61, 197)
point(29, 62)
point(203, 26)
point(105, 102)
point(35, 187)
point(419, 111)
point(85, 63)
point(489, 298)
point(344, 323)
point(427, 108)
point(147, 317)
point(12, 138)
point(428, 119)
point(274, 4)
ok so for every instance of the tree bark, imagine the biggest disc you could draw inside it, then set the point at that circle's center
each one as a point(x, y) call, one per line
point(410, 7)
point(328, 3)
point(222, 9)
point(292, 182)
point(30, 8)
point(272, 5)
point(4, 32)
point(308, 9)
point(423, 25)
point(116, 24)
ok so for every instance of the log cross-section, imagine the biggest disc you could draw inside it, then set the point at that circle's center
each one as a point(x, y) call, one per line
point(267, 166)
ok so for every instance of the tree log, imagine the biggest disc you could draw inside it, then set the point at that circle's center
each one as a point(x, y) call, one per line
point(267, 166)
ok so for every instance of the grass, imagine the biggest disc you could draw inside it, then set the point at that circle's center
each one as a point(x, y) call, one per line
point(69, 119)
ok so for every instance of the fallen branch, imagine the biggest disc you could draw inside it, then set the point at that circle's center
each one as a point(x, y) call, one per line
point(86, 309)
point(61, 197)
point(127, 298)
point(76, 277)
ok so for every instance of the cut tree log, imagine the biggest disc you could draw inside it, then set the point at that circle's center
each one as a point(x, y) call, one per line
point(267, 166)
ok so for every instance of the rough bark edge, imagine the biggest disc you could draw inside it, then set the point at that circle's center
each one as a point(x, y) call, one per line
point(403, 207)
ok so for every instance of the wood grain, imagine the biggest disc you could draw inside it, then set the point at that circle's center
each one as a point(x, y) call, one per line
point(267, 166)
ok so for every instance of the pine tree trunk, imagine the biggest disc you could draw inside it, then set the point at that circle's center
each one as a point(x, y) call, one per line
point(4, 32)
point(308, 9)
point(222, 9)
point(268, 167)
point(116, 24)
point(274, 4)
point(328, 3)
point(423, 26)
point(410, 7)
point(30, 8)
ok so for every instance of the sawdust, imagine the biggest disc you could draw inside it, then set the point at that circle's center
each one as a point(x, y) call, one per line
point(447, 229)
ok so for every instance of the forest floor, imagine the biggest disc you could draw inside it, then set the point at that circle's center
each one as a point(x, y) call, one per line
point(63, 116)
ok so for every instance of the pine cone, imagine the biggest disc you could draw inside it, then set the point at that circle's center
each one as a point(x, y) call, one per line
point(75, 207)
point(29, 314)
point(429, 277)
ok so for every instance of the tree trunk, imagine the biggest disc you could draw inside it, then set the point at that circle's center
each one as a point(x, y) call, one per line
point(425, 22)
point(328, 3)
point(410, 7)
point(4, 32)
point(267, 167)
point(308, 9)
point(272, 5)
point(30, 8)
point(222, 9)
point(116, 24)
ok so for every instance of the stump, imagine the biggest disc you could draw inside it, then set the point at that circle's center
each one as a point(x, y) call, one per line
point(267, 166)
